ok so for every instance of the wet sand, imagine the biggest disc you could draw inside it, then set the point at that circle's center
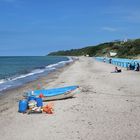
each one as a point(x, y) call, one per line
point(107, 107)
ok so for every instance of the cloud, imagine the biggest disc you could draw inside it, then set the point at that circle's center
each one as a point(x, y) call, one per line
point(109, 29)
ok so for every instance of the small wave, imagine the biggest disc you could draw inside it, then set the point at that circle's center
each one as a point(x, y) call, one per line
point(51, 66)
point(60, 64)
point(70, 59)
point(37, 71)
point(2, 81)
point(26, 75)
point(5, 87)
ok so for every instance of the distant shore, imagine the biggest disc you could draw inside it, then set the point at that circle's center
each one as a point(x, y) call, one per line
point(107, 107)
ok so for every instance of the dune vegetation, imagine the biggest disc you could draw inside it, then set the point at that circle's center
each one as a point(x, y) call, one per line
point(123, 49)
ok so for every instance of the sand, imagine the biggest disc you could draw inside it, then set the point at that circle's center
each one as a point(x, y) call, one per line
point(106, 108)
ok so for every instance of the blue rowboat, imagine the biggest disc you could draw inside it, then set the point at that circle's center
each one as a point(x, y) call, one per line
point(54, 93)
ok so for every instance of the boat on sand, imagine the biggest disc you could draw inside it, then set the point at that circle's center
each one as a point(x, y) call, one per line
point(54, 93)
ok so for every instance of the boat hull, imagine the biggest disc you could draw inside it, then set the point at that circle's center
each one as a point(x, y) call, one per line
point(55, 93)
point(66, 95)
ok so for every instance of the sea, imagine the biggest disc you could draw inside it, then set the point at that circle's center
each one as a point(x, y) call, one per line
point(18, 70)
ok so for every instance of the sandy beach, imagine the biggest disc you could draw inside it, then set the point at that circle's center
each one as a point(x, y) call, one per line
point(106, 108)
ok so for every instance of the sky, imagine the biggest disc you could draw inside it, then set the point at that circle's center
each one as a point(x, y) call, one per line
point(38, 27)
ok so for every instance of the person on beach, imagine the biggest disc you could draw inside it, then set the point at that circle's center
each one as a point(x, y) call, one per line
point(128, 66)
point(117, 70)
point(110, 61)
point(137, 67)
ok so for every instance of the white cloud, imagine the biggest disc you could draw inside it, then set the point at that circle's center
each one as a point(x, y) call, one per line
point(109, 29)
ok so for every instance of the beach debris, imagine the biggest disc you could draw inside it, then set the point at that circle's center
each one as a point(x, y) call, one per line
point(39, 102)
point(34, 105)
point(35, 110)
point(23, 106)
point(48, 108)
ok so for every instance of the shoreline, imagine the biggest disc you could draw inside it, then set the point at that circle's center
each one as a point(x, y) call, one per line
point(16, 94)
point(47, 76)
point(21, 78)
point(107, 107)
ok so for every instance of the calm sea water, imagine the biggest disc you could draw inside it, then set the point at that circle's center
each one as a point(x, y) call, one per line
point(18, 70)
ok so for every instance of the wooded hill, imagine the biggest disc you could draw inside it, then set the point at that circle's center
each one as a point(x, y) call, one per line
point(124, 49)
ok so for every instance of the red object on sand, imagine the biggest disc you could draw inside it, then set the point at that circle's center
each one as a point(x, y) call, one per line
point(41, 95)
point(48, 108)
